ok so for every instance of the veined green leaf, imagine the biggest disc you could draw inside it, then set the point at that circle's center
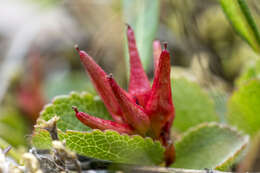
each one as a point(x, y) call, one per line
point(62, 107)
point(107, 145)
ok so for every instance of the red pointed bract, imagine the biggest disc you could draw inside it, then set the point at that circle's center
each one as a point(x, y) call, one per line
point(157, 50)
point(159, 106)
point(133, 114)
point(98, 78)
point(101, 124)
point(139, 85)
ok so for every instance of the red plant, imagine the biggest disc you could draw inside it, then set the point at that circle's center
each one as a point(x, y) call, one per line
point(30, 94)
point(143, 110)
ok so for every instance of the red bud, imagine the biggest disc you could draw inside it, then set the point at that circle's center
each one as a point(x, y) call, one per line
point(133, 113)
point(139, 85)
point(98, 78)
point(98, 123)
point(159, 106)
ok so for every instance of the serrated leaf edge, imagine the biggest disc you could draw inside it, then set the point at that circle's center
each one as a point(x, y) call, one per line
point(238, 133)
point(80, 94)
point(148, 139)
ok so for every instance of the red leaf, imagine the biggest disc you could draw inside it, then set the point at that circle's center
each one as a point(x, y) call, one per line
point(101, 124)
point(159, 106)
point(139, 85)
point(98, 78)
point(133, 114)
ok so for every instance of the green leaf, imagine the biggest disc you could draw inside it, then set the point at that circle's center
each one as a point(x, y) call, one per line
point(13, 153)
point(219, 97)
point(192, 105)
point(13, 127)
point(107, 145)
point(12, 135)
point(209, 145)
point(242, 21)
point(143, 17)
point(62, 107)
point(251, 72)
point(244, 109)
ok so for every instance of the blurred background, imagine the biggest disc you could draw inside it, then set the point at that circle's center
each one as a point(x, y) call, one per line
point(38, 60)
